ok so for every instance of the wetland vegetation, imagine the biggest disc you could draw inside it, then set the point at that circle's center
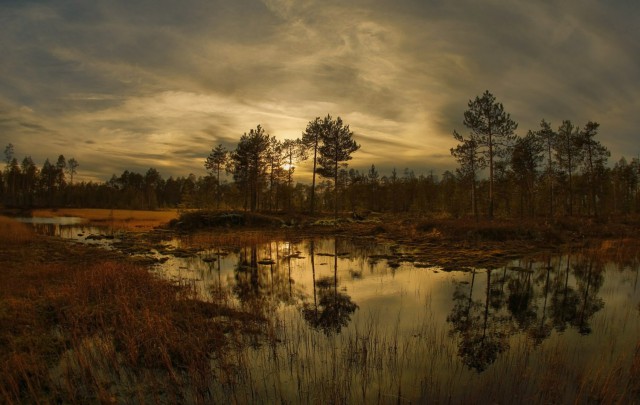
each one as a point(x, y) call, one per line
point(383, 310)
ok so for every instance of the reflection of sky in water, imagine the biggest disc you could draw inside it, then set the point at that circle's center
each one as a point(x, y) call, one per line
point(52, 220)
point(69, 228)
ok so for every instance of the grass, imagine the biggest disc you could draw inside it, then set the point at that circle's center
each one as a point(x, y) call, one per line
point(12, 232)
point(81, 325)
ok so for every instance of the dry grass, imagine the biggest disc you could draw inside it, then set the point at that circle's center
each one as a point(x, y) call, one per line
point(14, 232)
point(129, 220)
point(624, 251)
point(80, 325)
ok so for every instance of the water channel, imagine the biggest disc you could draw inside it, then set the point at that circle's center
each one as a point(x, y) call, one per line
point(342, 292)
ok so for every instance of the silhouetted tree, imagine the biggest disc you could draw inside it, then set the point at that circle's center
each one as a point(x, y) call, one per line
point(9, 184)
point(47, 181)
point(311, 139)
point(373, 178)
point(274, 162)
point(215, 163)
point(293, 150)
point(152, 180)
point(526, 156)
point(567, 152)
point(61, 168)
point(29, 181)
point(625, 185)
point(492, 129)
point(547, 138)
point(595, 157)
point(14, 175)
point(467, 154)
point(72, 166)
point(248, 164)
point(336, 149)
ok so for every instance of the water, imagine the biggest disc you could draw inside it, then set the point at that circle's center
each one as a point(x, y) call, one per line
point(354, 298)
point(71, 228)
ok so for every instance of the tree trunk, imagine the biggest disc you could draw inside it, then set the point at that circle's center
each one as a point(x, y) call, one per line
point(313, 178)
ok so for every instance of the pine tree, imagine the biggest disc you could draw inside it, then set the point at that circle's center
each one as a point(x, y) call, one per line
point(335, 150)
point(492, 129)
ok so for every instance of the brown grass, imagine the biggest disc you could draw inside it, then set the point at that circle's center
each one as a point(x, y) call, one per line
point(14, 232)
point(81, 325)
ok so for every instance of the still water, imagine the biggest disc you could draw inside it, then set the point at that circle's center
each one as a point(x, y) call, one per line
point(345, 295)
point(71, 228)
point(333, 282)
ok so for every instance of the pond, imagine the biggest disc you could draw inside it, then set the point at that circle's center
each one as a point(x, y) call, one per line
point(353, 320)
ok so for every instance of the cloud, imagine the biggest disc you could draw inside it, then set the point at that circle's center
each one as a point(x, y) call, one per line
point(122, 85)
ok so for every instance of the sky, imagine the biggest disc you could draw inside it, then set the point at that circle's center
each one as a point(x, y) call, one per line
point(128, 85)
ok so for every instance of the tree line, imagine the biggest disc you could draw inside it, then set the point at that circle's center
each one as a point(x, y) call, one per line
point(547, 172)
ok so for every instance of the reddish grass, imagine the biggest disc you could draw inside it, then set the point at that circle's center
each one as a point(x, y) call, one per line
point(80, 325)
point(14, 232)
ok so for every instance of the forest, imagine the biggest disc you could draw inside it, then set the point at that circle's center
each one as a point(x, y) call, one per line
point(561, 170)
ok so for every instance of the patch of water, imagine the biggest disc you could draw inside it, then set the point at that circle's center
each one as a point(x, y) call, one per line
point(72, 228)
point(64, 221)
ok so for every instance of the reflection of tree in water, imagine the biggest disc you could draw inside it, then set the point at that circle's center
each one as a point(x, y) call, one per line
point(480, 327)
point(248, 286)
point(528, 299)
point(260, 282)
point(564, 302)
point(589, 275)
point(521, 297)
point(331, 310)
point(541, 328)
point(575, 307)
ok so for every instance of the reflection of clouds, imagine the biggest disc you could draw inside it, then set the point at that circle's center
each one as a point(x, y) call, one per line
point(129, 76)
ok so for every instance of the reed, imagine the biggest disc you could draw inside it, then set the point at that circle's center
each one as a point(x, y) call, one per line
point(14, 232)
point(91, 329)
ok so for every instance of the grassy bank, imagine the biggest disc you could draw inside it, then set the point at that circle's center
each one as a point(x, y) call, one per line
point(81, 325)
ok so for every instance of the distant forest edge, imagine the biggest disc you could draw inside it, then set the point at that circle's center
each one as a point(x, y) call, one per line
point(547, 172)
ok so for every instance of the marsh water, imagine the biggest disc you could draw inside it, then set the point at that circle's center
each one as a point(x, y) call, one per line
point(363, 314)
point(71, 228)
